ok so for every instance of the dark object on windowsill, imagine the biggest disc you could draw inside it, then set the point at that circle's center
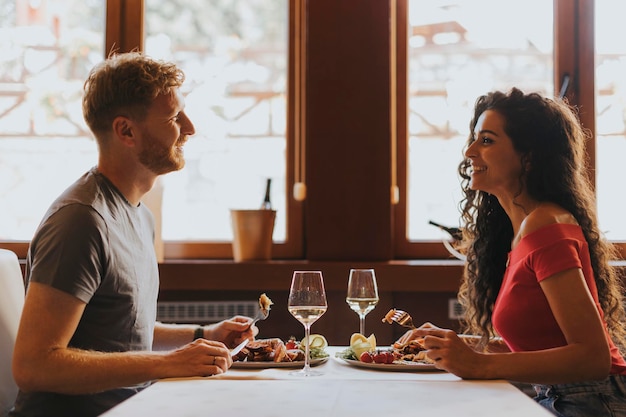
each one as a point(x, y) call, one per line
point(454, 232)
point(267, 203)
point(457, 236)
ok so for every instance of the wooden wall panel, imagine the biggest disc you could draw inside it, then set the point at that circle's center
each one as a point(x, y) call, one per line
point(348, 206)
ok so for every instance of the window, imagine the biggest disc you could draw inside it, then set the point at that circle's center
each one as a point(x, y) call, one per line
point(235, 57)
point(48, 47)
point(610, 92)
point(453, 56)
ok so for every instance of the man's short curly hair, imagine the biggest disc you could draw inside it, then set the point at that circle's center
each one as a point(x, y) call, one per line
point(125, 85)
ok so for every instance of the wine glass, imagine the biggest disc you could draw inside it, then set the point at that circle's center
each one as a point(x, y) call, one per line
point(307, 303)
point(362, 293)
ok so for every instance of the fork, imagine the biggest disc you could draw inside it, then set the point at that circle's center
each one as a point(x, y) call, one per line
point(261, 315)
point(399, 316)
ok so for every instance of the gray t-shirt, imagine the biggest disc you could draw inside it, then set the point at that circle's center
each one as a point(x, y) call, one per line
point(96, 246)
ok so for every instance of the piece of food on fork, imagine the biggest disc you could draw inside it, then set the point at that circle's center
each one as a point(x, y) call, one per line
point(399, 316)
point(265, 303)
point(389, 316)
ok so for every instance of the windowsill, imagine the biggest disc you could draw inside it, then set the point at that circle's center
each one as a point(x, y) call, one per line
point(428, 275)
point(416, 275)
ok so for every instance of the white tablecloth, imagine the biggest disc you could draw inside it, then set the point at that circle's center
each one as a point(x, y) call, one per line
point(343, 390)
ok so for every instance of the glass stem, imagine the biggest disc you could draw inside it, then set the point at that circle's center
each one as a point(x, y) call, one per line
point(362, 324)
point(307, 332)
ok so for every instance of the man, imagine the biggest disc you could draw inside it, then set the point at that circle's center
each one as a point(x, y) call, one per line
point(88, 337)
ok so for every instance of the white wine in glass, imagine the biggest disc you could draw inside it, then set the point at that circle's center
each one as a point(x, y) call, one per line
point(362, 293)
point(307, 303)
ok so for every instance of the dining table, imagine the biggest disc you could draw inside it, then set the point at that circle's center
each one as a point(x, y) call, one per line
point(343, 389)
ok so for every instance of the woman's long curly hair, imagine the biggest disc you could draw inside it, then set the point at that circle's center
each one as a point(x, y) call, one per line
point(549, 137)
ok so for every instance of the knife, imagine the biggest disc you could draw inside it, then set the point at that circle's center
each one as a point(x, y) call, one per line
point(236, 350)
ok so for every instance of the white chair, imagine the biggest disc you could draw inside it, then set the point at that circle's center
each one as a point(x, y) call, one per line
point(11, 303)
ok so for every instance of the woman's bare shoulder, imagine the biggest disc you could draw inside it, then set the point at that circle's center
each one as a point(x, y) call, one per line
point(546, 214)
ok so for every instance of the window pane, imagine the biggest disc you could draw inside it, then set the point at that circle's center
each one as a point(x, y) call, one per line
point(456, 54)
point(48, 48)
point(234, 54)
point(610, 118)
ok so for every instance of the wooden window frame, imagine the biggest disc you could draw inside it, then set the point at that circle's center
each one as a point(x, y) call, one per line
point(403, 247)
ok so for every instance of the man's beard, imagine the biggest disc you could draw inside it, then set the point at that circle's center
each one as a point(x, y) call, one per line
point(160, 159)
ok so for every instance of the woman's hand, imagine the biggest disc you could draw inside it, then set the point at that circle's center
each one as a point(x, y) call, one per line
point(451, 353)
point(410, 335)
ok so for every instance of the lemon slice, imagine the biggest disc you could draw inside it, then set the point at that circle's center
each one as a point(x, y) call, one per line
point(361, 347)
point(360, 343)
point(372, 341)
point(317, 341)
point(357, 338)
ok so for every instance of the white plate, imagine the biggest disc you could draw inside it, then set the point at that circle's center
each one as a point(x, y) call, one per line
point(266, 365)
point(402, 366)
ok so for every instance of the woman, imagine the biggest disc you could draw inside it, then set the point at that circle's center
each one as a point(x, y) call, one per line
point(537, 271)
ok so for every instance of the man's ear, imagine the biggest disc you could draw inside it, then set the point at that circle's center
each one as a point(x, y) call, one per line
point(124, 130)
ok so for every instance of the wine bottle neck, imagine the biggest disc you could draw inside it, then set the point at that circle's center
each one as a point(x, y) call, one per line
point(267, 203)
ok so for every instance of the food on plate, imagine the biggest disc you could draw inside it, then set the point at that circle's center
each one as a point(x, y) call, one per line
point(412, 351)
point(358, 338)
point(364, 350)
point(366, 357)
point(379, 356)
point(268, 350)
point(317, 341)
point(292, 343)
point(359, 344)
point(265, 303)
point(275, 350)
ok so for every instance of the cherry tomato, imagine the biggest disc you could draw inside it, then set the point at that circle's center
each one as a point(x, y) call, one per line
point(366, 357)
point(382, 356)
point(291, 344)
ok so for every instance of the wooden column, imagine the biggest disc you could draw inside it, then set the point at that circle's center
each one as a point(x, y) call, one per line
point(125, 26)
point(348, 206)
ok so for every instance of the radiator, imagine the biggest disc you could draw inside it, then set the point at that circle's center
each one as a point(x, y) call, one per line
point(203, 311)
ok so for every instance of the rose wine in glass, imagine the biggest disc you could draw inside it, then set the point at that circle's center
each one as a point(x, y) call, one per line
point(307, 303)
point(362, 293)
